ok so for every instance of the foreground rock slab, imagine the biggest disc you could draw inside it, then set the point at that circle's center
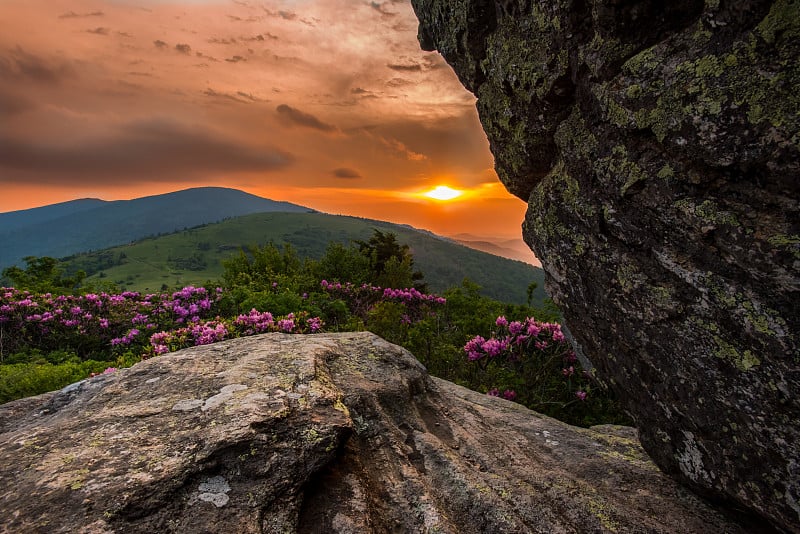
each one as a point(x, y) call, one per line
point(327, 433)
point(657, 145)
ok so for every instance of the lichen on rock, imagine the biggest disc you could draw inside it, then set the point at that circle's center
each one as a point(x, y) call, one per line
point(658, 148)
point(333, 433)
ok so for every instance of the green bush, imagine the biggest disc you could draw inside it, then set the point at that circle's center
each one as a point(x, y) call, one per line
point(25, 379)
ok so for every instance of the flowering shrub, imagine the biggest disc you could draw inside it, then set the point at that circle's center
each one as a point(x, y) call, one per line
point(219, 329)
point(48, 341)
point(362, 299)
point(92, 324)
point(532, 363)
point(101, 325)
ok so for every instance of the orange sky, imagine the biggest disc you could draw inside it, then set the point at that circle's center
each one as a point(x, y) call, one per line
point(326, 103)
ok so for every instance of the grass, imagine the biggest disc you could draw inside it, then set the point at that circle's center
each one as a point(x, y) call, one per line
point(195, 256)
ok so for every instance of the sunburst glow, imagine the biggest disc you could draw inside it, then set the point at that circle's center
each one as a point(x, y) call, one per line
point(442, 192)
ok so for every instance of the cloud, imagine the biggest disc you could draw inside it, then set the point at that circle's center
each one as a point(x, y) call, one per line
point(344, 172)
point(380, 7)
point(19, 64)
point(399, 82)
point(261, 37)
point(13, 104)
point(159, 43)
point(414, 67)
point(218, 40)
point(98, 31)
point(429, 62)
point(73, 15)
point(156, 149)
point(400, 149)
point(240, 97)
point(235, 59)
point(285, 15)
point(301, 118)
point(183, 48)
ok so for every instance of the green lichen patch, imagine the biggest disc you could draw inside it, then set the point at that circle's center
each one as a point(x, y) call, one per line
point(743, 360)
point(556, 192)
point(707, 213)
point(618, 169)
point(789, 243)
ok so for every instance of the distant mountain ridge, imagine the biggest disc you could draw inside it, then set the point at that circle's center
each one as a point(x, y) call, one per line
point(514, 249)
point(91, 224)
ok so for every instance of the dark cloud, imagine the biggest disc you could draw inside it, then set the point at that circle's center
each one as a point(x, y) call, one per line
point(429, 62)
point(183, 48)
point(285, 15)
point(218, 40)
point(408, 67)
point(399, 82)
point(73, 15)
point(159, 43)
point(234, 18)
point(235, 59)
point(344, 172)
point(240, 97)
point(202, 55)
point(380, 7)
point(99, 31)
point(19, 64)
point(157, 150)
point(301, 118)
point(261, 37)
point(13, 104)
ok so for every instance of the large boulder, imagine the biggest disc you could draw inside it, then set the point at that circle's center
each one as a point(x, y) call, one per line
point(325, 433)
point(658, 147)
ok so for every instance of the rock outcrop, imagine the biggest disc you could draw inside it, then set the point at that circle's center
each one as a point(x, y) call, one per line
point(325, 433)
point(658, 147)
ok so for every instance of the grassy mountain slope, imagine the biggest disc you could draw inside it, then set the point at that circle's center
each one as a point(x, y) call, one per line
point(195, 255)
point(61, 230)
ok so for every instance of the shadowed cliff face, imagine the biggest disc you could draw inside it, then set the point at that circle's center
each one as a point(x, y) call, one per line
point(658, 148)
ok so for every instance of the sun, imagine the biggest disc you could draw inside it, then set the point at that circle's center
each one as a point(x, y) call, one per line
point(442, 192)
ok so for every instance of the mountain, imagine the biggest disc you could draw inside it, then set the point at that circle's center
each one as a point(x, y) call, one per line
point(90, 224)
point(195, 255)
point(14, 220)
point(514, 249)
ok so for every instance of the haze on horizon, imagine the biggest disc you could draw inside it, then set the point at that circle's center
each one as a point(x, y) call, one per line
point(326, 103)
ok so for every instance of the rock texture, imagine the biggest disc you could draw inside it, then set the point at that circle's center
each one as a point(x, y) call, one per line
point(327, 433)
point(658, 147)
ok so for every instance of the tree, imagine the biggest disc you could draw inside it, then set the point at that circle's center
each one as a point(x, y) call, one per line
point(343, 264)
point(43, 275)
point(381, 248)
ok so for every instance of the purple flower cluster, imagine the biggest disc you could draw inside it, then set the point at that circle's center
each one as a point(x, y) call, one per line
point(218, 329)
point(530, 348)
point(361, 299)
point(508, 394)
point(411, 295)
point(478, 348)
point(255, 322)
point(515, 337)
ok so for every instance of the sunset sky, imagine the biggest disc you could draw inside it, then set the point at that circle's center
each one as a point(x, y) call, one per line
point(326, 103)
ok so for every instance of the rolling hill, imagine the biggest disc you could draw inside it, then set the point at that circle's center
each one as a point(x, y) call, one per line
point(195, 255)
point(91, 224)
